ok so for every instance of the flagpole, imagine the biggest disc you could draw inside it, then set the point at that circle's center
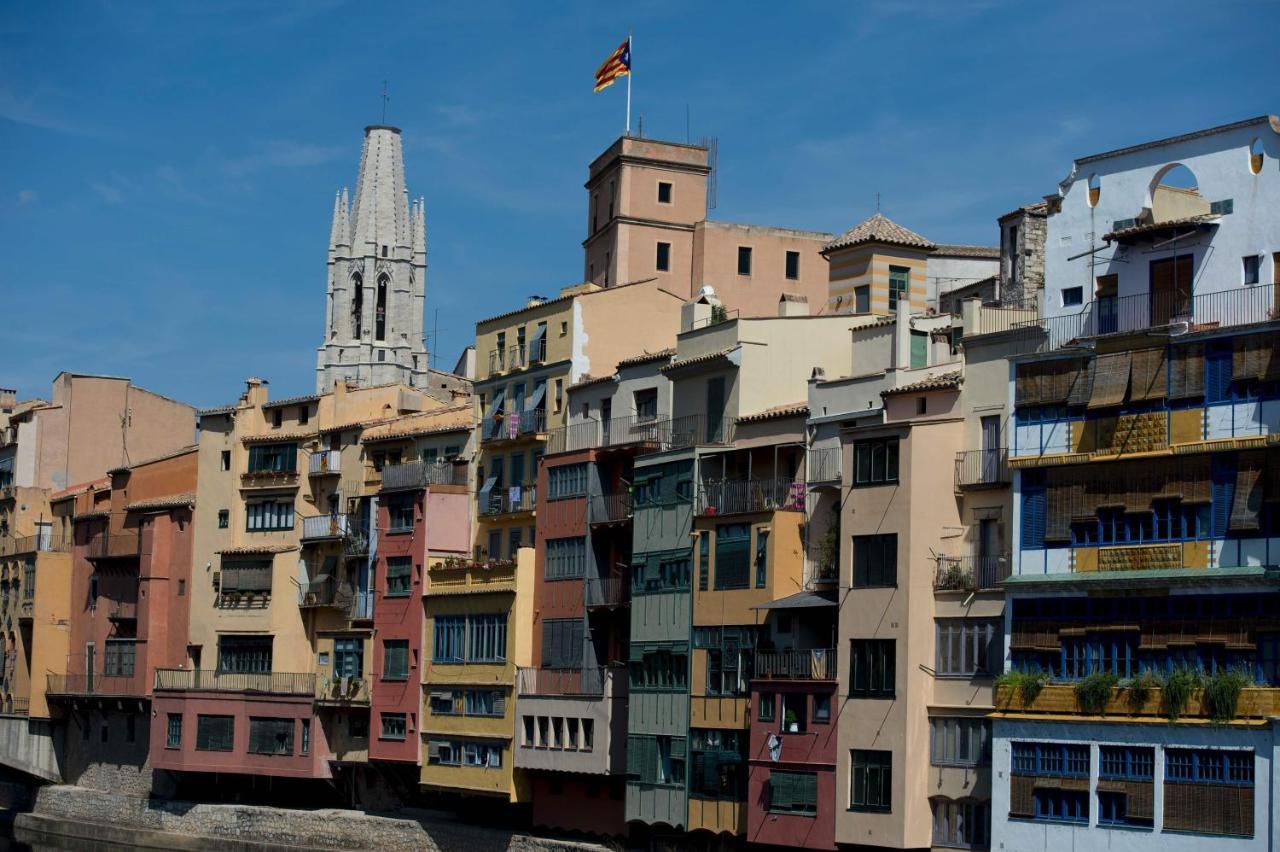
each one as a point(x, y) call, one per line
point(630, 74)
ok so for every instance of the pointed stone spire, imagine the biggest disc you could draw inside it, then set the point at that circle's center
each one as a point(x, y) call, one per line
point(420, 226)
point(336, 232)
point(346, 218)
point(379, 213)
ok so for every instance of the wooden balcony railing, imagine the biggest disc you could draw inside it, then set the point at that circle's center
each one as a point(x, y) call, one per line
point(814, 664)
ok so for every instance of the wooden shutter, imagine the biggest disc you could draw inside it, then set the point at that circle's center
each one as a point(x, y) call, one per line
point(1082, 388)
point(1150, 374)
point(1110, 380)
point(1247, 501)
point(1186, 371)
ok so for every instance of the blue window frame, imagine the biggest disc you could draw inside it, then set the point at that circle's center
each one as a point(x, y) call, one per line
point(1129, 763)
point(1114, 653)
point(1061, 760)
point(1217, 371)
point(1209, 766)
point(1034, 508)
point(449, 635)
point(1062, 805)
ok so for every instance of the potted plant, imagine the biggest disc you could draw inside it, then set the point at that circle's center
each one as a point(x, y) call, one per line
point(790, 723)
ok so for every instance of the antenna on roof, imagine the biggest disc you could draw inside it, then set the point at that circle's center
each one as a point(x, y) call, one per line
point(386, 96)
point(877, 202)
point(712, 144)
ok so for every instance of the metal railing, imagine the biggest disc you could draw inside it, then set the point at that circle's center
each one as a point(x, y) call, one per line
point(114, 545)
point(319, 527)
point(608, 508)
point(342, 690)
point(502, 502)
point(278, 683)
point(94, 684)
point(717, 316)
point(419, 474)
point(982, 468)
point(970, 573)
point(823, 465)
point(123, 611)
point(46, 542)
point(1220, 309)
point(362, 606)
point(814, 664)
point(357, 543)
point(572, 682)
point(644, 432)
point(606, 592)
point(727, 497)
point(515, 424)
point(326, 592)
point(992, 319)
point(497, 361)
point(325, 462)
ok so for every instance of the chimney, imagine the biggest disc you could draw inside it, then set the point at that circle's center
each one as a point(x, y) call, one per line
point(697, 312)
point(8, 399)
point(793, 305)
point(255, 390)
point(534, 301)
point(902, 336)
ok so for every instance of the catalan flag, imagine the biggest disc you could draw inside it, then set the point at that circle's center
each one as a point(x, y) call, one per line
point(617, 65)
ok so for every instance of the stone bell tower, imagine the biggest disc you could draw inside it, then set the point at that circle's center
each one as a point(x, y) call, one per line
point(377, 275)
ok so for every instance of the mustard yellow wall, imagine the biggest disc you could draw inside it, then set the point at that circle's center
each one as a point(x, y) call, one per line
point(709, 711)
point(50, 627)
point(717, 816)
point(785, 571)
point(1187, 426)
point(869, 266)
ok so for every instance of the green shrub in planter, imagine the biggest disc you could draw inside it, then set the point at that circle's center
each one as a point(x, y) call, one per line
point(1178, 688)
point(1093, 691)
point(1222, 693)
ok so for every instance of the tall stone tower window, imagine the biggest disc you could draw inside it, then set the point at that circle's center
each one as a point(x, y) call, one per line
point(357, 305)
point(380, 320)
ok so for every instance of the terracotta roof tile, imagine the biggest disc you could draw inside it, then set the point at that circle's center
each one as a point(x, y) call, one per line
point(456, 418)
point(588, 380)
point(256, 549)
point(698, 359)
point(269, 437)
point(944, 381)
point(1156, 227)
point(778, 412)
point(952, 250)
point(647, 357)
point(878, 229)
point(170, 502)
point(290, 400)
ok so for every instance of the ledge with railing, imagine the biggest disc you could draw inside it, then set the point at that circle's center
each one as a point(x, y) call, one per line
point(609, 508)
point(728, 497)
point(507, 502)
point(323, 527)
point(114, 545)
point(512, 425)
point(970, 573)
point(324, 463)
point(812, 664)
point(606, 592)
point(40, 543)
point(416, 475)
point(822, 465)
point(982, 468)
point(327, 592)
point(644, 434)
point(571, 682)
point(342, 690)
point(269, 479)
point(123, 611)
point(274, 683)
point(94, 684)
point(1220, 309)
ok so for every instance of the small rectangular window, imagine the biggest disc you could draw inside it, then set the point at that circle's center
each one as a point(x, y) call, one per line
point(394, 726)
point(395, 659)
point(872, 781)
point(793, 265)
point(664, 192)
point(663, 260)
point(226, 460)
point(871, 668)
point(304, 414)
point(899, 285)
point(875, 461)
point(224, 519)
point(744, 260)
point(1072, 296)
point(215, 733)
point(399, 576)
point(1252, 267)
point(174, 733)
point(875, 560)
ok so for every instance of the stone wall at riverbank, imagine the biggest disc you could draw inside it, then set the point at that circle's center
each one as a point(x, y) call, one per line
point(160, 824)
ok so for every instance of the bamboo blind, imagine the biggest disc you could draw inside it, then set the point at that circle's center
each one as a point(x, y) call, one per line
point(1186, 371)
point(1139, 796)
point(1150, 374)
point(1047, 382)
point(1247, 502)
point(1209, 808)
point(1256, 357)
point(1110, 379)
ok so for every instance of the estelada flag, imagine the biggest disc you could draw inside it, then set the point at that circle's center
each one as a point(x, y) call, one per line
point(617, 65)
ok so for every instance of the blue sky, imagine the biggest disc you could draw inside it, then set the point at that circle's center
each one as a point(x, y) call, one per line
point(167, 170)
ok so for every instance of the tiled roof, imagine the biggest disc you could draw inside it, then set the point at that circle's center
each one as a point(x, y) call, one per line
point(162, 503)
point(268, 437)
point(944, 381)
point(967, 251)
point(1039, 208)
point(1157, 227)
point(256, 549)
point(457, 418)
point(354, 424)
point(92, 516)
point(698, 359)
point(588, 380)
point(221, 409)
point(291, 400)
point(190, 448)
point(878, 229)
point(776, 413)
point(647, 357)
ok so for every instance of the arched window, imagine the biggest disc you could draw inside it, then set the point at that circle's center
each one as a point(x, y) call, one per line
point(357, 305)
point(380, 318)
point(1255, 156)
point(1095, 190)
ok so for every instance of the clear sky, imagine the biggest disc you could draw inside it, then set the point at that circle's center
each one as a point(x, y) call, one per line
point(167, 170)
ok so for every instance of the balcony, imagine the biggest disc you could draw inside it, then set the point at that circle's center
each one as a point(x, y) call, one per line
point(823, 466)
point(514, 425)
point(609, 508)
point(356, 545)
point(325, 463)
point(456, 575)
point(271, 683)
point(982, 469)
point(94, 684)
point(505, 503)
point(269, 479)
point(114, 545)
point(566, 682)
point(123, 611)
point(413, 476)
point(578, 719)
point(643, 434)
point(45, 542)
point(1255, 702)
point(1221, 309)
point(730, 497)
point(325, 527)
point(970, 573)
point(342, 691)
point(814, 664)
point(325, 592)
point(606, 592)
point(497, 361)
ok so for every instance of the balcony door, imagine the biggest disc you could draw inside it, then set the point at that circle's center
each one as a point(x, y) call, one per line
point(1170, 289)
point(990, 447)
point(715, 408)
point(1105, 302)
point(90, 662)
point(988, 552)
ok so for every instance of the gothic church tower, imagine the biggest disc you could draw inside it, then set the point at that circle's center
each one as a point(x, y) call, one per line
point(377, 275)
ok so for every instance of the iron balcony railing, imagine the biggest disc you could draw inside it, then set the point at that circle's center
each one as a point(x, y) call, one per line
point(114, 545)
point(326, 592)
point(416, 475)
point(608, 508)
point(325, 462)
point(94, 684)
point(1224, 308)
point(606, 592)
point(362, 606)
point(123, 611)
point(511, 425)
point(970, 573)
point(589, 682)
point(823, 465)
point(321, 527)
point(982, 468)
point(727, 497)
point(645, 434)
point(46, 542)
point(357, 543)
point(276, 683)
point(497, 361)
point(507, 502)
point(342, 690)
point(814, 664)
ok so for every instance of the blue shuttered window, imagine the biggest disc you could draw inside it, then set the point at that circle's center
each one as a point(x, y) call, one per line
point(1034, 506)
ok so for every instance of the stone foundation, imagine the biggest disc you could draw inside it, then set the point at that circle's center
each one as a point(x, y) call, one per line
point(77, 812)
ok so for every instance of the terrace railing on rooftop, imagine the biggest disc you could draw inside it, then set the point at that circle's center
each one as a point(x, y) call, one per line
point(727, 497)
point(1220, 309)
point(277, 683)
